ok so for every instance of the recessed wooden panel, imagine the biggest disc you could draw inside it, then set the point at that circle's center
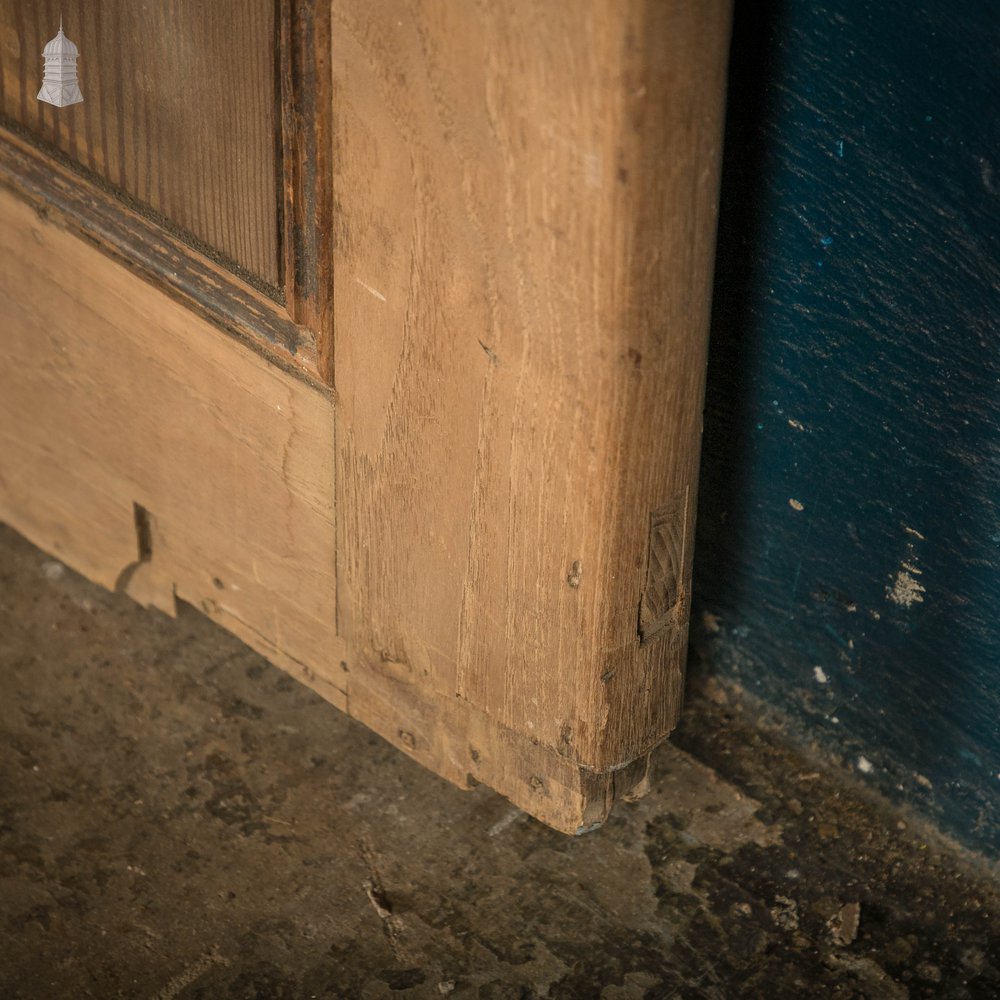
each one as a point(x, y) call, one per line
point(158, 456)
point(180, 110)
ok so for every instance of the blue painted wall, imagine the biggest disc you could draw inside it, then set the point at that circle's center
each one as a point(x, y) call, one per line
point(848, 560)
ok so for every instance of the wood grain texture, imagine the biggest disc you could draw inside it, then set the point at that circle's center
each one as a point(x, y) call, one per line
point(305, 58)
point(526, 197)
point(180, 111)
point(112, 395)
point(163, 460)
point(59, 194)
point(455, 547)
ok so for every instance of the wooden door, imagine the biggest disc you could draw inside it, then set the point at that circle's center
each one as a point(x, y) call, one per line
point(377, 332)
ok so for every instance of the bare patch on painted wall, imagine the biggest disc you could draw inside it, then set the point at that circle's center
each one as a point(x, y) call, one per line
point(906, 590)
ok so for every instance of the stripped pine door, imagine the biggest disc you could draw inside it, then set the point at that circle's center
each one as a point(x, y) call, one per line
point(377, 332)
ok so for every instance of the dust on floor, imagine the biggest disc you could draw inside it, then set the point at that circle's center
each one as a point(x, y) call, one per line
point(178, 819)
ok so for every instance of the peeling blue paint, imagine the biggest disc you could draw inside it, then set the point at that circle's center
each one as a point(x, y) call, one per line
point(890, 356)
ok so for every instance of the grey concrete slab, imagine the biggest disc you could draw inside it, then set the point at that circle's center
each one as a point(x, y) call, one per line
point(178, 819)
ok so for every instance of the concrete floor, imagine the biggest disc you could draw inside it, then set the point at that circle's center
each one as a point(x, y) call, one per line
point(178, 819)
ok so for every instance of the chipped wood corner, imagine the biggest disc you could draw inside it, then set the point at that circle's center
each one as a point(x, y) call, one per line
point(468, 748)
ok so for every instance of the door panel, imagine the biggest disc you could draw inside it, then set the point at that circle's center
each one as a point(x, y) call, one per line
point(157, 456)
point(473, 532)
point(180, 111)
point(209, 140)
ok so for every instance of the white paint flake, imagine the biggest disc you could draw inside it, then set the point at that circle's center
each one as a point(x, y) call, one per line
point(795, 504)
point(906, 589)
point(820, 674)
point(865, 766)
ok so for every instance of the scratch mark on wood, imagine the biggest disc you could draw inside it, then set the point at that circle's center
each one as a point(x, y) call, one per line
point(663, 597)
point(490, 353)
point(374, 291)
